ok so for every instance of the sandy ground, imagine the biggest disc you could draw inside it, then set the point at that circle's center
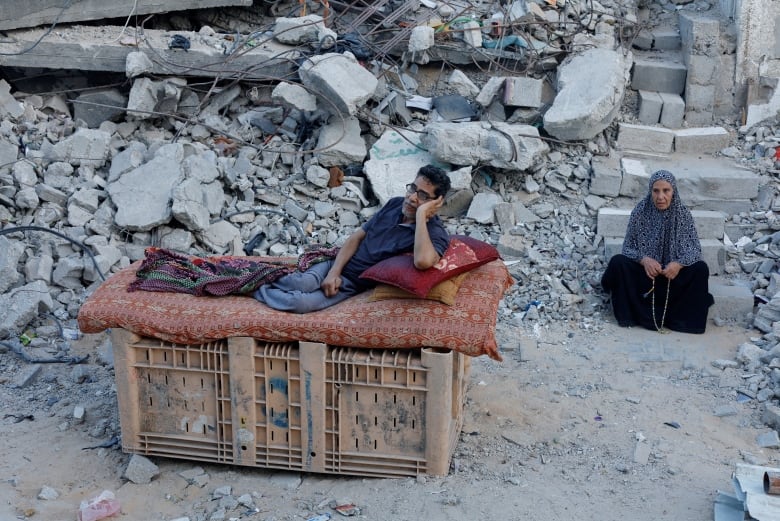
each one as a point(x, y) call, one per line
point(573, 424)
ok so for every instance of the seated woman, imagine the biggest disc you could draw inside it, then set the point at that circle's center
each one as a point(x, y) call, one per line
point(660, 281)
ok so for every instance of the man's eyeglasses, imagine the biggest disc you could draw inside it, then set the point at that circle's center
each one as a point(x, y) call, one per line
point(422, 196)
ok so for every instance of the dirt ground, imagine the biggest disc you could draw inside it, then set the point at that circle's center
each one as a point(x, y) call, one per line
point(573, 424)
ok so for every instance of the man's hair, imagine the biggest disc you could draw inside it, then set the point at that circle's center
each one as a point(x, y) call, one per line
point(437, 177)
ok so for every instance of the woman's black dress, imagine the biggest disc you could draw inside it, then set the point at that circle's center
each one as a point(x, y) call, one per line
point(689, 297)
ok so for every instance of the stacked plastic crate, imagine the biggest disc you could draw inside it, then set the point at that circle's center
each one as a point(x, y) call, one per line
point(298, 406)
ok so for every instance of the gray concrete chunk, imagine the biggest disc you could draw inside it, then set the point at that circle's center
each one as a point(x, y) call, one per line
point(339, 81)
point(340, 143)
point(140, 470)
point(9, 260)
point(22, 305)
point(501, 145)
point(590, 89)
point(143, 196)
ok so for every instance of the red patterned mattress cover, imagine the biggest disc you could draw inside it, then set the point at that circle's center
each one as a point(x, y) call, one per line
point(468, 326)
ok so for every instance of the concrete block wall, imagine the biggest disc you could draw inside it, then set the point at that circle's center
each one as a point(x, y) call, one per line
point(700, 38)
point(696, 61)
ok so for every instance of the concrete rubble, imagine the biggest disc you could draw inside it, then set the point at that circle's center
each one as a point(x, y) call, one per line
point(546, 154)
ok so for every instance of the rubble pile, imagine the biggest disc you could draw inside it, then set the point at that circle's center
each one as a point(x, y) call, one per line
point(270, 168)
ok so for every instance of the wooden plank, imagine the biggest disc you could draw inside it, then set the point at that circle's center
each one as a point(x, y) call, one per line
point(105, 48)
point(17, 14)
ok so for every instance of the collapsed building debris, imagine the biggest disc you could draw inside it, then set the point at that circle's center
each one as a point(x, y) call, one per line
point(292, 129)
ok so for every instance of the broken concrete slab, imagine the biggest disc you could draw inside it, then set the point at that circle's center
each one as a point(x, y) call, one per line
point(21, 305)
point(394, 160)
point(340, 143)
point(105, 48)
point(9, 106)
point(705, 178)
point(143, 195)
point(12, 252)
point(97, 106)
point(590, 89)
point(86, 147)
point(17, 14)
point(502, 145)
point(299, 30)
point(339, 81)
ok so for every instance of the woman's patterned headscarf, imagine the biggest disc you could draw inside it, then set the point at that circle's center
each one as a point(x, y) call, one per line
point(664, 235)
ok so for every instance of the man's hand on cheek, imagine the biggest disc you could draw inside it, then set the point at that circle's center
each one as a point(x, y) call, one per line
point(429, 208)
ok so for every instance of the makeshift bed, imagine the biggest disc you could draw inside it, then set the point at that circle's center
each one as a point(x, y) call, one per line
point(373, 386)
point(467, 326)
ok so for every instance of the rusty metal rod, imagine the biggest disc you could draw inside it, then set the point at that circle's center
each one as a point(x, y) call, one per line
point(772, 482)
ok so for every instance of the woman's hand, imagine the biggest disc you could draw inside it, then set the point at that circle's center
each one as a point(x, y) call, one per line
point(672, 270)
point(652, 267)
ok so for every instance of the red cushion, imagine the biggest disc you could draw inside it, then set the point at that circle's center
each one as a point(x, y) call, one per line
point(463, 254)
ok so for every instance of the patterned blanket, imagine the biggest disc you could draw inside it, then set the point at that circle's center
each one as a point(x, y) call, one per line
point(169, 271)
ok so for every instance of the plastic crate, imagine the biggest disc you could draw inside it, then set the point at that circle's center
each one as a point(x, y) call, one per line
point(295, 406)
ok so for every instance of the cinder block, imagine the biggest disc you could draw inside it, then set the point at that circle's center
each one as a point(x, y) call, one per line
point(606, 177)
point(700, 97)
point(701, 69)
point(666, 39)
point(737, 230)
point(706, 140)
point(650, 105)
point(643, 40)
point(709, 224)
point(698, 118)
point(523, 92)
point(699, 32)
point(665, 75)
point(732, 302)
point(612, 222)
point(726, 184)
point(673, 110)
point(714, 254)
point(725, 99)
point(635, 178)
point(646, 139)
point(612, 246)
